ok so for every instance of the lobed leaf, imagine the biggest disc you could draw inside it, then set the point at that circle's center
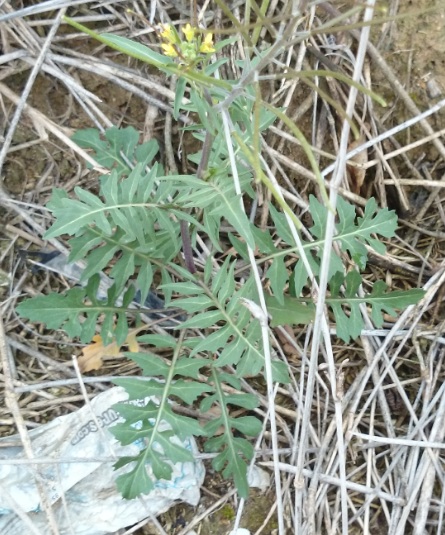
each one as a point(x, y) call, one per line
point(64, 310)
point(136, 482)
point(291, 311)
point(353, 234)
point(345, 303)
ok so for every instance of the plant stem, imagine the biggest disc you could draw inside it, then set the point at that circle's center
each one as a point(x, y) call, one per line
point(202, 167)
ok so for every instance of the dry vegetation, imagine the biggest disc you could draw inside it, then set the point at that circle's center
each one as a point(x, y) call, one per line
point(390, 404)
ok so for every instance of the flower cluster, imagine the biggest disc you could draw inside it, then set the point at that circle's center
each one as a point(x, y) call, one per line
point(188, 50)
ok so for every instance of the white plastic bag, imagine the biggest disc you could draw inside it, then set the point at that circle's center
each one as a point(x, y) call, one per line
point(92, 504)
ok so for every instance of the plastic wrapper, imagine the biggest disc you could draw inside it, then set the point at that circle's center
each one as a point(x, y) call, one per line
point(83, 493)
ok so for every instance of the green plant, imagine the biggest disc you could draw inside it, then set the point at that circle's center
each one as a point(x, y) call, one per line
point(141, 220)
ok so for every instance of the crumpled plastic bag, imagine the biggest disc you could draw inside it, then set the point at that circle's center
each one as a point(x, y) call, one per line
point(91, 503)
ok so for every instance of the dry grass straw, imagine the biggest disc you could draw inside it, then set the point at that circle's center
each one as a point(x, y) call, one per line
point(361, 429)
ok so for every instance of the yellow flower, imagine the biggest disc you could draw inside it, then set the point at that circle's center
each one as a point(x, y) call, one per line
point(189, 32)
point(168, 33)
point(207, 45)
point(169, 50)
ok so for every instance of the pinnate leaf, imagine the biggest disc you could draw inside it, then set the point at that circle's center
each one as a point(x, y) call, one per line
point(136, 482)
point(231, 460)
point(346, 305)
point(353, 234)
point(117, 148)
point(64, 310)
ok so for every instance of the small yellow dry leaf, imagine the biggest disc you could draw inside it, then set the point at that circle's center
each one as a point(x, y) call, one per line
point(93, 354)
point(132, 342)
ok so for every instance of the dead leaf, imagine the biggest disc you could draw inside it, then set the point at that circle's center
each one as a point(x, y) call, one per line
point(132, 342)
point(93, 355)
